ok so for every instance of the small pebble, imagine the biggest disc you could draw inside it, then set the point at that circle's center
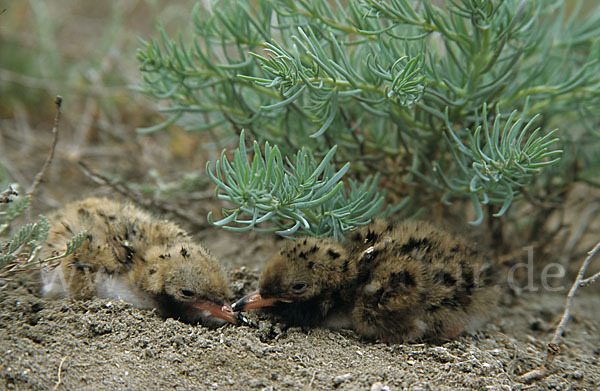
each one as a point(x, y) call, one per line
point(379, 386)
point(577, 375)
point(341, 379)
point(255, 383)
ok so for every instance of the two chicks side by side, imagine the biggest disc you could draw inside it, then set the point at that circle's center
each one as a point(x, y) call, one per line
point(394, 283)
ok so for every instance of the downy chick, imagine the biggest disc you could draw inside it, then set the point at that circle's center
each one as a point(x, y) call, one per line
point(396, 284)
point(309, 282)
point(132, 256)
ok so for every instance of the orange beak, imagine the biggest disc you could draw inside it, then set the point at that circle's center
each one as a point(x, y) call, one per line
point(255, 300)
point(224, 312)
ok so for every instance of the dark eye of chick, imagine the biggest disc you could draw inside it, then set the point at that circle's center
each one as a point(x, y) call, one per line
point(187, 292)
point(299, 287)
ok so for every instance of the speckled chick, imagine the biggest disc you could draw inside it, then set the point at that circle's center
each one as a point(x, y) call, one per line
point(309, 282)
point(393, 283)
point(133, 256)
point(420, 282)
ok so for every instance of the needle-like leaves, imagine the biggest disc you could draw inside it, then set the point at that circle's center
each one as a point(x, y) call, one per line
point(19, 251)
point(394, 86)
point(293, 196)
point(495, 163)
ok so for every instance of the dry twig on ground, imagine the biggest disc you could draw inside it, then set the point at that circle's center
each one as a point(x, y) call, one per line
point(553, 347)
point(40, 175)
point(136, 197)
point(579, 281)
point(59, 372)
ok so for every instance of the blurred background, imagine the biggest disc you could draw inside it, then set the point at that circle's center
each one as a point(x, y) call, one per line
point(86, 53)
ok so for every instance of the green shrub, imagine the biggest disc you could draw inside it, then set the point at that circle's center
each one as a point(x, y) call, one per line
point(19, 251)
point(460, 101)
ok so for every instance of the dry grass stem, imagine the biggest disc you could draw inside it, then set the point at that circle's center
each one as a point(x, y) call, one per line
point(40, 175)
point(578, 282)
point(59, 372)
point(553, 348)
point(135, 196)
point(590, 280)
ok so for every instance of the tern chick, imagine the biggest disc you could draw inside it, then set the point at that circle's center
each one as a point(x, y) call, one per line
point(394, 283)
point(133, 256)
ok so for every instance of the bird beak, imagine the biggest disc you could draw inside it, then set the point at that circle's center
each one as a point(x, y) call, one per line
point(224, 312)
point(255, 300)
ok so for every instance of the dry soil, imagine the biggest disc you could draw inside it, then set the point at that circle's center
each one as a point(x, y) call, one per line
point(104, 344)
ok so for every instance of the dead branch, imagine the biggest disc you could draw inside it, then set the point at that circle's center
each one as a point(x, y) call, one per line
point(590, 280)
point(578, 282)
point(137, 197)
point(553, 348)
point(40, 175)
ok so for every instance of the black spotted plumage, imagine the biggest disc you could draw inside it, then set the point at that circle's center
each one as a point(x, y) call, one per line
point(398, 283)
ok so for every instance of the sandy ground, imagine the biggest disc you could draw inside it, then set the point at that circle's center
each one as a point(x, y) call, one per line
point(102, 344)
